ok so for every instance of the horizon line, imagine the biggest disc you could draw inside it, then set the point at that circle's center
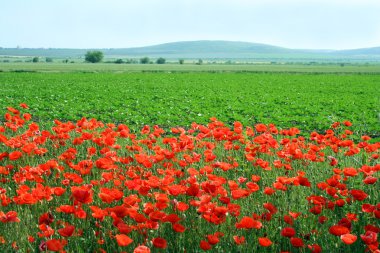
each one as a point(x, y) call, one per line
point(186, 41)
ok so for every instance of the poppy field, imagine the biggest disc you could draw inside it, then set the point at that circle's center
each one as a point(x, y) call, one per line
point(189, 162)
point(87, 186)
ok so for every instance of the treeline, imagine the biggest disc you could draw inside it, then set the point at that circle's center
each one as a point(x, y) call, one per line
point(97, 56)
point(143, 60)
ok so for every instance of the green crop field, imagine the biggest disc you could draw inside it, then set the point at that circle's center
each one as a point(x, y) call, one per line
point(189, 66)
point(310, 102)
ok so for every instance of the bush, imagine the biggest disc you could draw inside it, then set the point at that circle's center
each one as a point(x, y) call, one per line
point(132, 61)
point(36, 59)
point(48, 59)
point(160, 60)
point(144, 60)
point(181, 61)
point(94, 56)
point(119, 61)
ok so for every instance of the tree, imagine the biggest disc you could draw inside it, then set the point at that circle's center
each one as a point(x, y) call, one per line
point(181, 61)
point(49, 59)
point(36, 59)
point(200, 61)
point(161, 60)
point(119, 61)
point(132, 61)
point(94, 56)
point(144, 60)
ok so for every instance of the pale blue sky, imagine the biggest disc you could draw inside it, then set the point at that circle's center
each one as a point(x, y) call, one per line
point(323, 24)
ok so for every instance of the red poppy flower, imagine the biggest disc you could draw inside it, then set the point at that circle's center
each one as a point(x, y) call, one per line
point(31, 239)
point(105, 163)
point(46, 218)
point(370, 180)
point(15, 155)
point(269, 191)
point(288, 219)
point(172, 218)
point(347, 123)
point(204, 245)
point(10, 216)
point(322, 219)
point(59, 191)
point(372, 228)
point(261, 128)
point(66, 231)
point(193, 190)
point(141, 249)
point(56, 244)
point(350, 172)
point(315, 248)
point(377, 213)
point(178, 228)
point(369, 237)
point(359, 195)
point(345, 223)
point(110, 195)
point(338, 230)
point(82, 194)
point(212, 239)
point(265, 242)
point(317, 209)
point(288, 232)
point(80, 213)
point(159, 243)
point(296, 242)
point(13, 110)
point(239, 193)
point(239, 239)
point(348, 238)
point(123, 228)
point(181, 206)
point(23, 105)
point(270, 207)
point(66, 209)
point(248, 223)
point(123, 240)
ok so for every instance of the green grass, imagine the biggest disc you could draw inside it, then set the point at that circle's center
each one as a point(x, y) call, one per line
point(310, 102)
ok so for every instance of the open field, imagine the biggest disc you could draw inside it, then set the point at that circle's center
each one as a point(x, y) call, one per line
point(237, 183)
point(266, 67)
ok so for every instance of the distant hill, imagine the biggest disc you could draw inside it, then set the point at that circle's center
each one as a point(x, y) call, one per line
point(206, 49)
point(362, 51)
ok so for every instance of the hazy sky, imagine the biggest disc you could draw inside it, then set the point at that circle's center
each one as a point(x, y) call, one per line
point(325, 24)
